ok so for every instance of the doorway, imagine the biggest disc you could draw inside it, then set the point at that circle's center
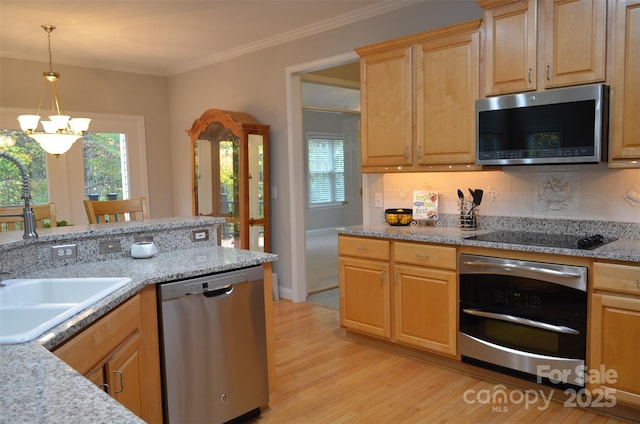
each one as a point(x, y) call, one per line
point(331, 117)
point(325, 70)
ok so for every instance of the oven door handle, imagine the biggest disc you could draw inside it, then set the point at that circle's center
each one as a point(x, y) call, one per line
point(523, 321)
point(516, 267)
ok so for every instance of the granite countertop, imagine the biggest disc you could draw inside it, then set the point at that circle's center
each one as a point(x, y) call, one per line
point(36, 386)
point(627, 250)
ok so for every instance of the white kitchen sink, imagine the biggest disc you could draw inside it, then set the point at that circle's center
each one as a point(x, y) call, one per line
point(30, 307)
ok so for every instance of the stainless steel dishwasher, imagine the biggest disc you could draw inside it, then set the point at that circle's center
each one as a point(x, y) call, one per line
point(213, 340)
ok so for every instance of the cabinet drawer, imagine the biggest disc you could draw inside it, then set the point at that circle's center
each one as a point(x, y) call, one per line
point(93, 344)
point(425, 255)
point(363, 248)
point(619, 278)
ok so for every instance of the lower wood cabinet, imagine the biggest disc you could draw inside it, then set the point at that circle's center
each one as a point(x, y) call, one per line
point(615, 331)
point(365, 295)
point(119, 353)
point(403, 292)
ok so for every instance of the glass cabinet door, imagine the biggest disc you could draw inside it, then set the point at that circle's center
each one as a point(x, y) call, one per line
point(256, 192)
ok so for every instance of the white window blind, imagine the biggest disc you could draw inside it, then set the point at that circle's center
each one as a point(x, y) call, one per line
point(325, 169)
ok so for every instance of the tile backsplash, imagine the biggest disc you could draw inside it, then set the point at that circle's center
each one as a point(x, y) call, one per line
point(576, 192)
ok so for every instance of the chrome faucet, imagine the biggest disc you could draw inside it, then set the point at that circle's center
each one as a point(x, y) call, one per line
point(27, 214)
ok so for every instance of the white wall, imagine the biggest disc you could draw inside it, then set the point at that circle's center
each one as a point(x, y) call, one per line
point(103, 92)
point(255, 84)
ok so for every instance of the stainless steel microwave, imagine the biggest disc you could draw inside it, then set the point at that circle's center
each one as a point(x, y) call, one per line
point(566, 125)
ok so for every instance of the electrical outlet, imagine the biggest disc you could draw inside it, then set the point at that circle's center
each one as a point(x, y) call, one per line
point(110, 246)
point(64, 251)
point(200, 235)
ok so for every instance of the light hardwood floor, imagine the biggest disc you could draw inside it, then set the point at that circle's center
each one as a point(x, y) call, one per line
point(324, 378)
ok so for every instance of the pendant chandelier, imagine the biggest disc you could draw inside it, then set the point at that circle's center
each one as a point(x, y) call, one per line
point(60, 131)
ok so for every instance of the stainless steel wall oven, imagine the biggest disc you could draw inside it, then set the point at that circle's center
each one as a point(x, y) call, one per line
point(527, 319)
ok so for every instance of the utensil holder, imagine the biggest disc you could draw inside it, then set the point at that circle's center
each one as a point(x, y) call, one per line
point(468, 216)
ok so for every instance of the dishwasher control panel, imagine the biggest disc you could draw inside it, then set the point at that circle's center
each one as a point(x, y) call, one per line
point(210, 282)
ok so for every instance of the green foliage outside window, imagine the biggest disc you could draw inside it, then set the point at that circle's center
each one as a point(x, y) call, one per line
point(31, 155)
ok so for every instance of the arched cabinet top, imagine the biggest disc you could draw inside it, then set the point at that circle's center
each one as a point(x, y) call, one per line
point(216, 124)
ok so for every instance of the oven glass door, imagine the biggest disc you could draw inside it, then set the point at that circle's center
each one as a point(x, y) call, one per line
point(525, 314)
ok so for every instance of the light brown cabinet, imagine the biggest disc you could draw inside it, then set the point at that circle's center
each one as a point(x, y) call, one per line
point(119, 353)
point(417, 99)
point(533, 45)
point(425, 296)
point(625, 96)
point(365, 294)
point(614, 330)
point(410, 299)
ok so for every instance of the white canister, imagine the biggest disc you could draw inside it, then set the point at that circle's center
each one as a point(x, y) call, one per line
point(143, 249)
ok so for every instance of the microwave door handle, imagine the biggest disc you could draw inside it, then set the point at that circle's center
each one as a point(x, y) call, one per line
point(516, 267)
point(523, 321)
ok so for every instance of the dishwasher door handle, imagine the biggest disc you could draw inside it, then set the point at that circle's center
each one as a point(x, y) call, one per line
point(222, 291)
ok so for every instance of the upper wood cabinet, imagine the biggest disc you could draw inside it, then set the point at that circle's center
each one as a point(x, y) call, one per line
point(532, 45)
point(625, 86)
point(386, 107)
point(417, 98)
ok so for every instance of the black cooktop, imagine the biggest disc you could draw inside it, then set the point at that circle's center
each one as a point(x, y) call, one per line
point(567, 241)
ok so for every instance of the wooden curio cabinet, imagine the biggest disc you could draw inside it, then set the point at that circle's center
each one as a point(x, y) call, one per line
point(230, 163)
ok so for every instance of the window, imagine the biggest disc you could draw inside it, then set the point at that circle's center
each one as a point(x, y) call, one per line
point(104, 160)
point(325, 169)
point(105, 165)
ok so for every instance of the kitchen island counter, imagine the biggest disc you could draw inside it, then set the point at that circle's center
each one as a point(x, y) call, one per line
point(36, 386)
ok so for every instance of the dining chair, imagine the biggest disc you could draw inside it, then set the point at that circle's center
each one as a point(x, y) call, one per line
point(11, 217)
point(104, 211)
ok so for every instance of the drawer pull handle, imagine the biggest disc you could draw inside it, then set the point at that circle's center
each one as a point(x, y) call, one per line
point(422, 256)
point(395, 278)
point(361, 248)
point(638, 283)
point(384, 277)
point(106, 388)
point(117, 372)
point(529, 75)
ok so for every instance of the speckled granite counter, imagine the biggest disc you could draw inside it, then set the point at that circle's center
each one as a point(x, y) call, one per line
point(35, 385)
point(623, 249)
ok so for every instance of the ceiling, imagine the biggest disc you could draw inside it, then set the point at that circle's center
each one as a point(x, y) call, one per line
point(167, 37)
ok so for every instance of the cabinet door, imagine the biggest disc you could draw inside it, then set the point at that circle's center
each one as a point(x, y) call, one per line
point(509, 52)
point(447, 86)
point(123, 370)
point(425, 308)
point(625, 97)
point(365, 298)
point(614, 344)
point(574, 41)
point(386, 102)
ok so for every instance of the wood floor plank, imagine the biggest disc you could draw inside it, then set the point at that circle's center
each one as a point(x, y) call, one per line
point(324, 378)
